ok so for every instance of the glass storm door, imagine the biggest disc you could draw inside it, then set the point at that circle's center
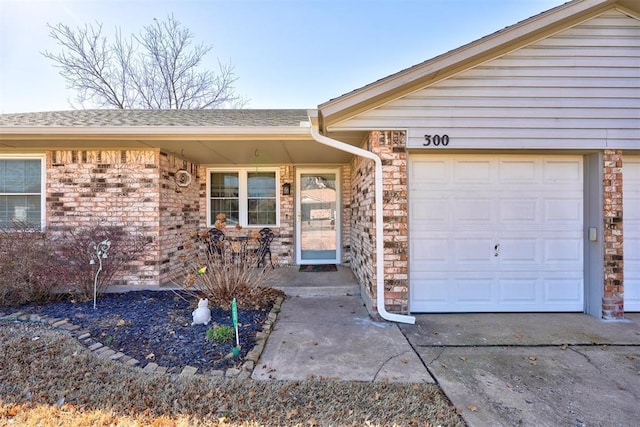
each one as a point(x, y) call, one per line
point(318, 216)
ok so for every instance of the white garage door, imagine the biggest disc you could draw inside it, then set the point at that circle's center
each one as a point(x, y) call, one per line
point(496, 233)
point(631, 218)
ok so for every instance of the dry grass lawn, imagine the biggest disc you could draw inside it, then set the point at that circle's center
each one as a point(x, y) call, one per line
point(47, 379)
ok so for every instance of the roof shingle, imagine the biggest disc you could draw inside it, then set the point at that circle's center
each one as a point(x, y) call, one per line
point(157, 118)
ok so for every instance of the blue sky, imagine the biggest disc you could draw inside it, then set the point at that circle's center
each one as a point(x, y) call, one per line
point(286, 53)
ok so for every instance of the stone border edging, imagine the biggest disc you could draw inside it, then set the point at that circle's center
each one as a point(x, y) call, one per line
point(101, 350)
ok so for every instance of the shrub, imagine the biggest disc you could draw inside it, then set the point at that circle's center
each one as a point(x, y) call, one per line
point(24, 255)
point(224, 270)
point(35, 265)
point(74, 260)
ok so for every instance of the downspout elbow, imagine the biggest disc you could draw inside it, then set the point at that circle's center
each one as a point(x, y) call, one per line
point(393, 317)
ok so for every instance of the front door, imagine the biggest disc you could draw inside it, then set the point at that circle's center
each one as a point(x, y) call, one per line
point(318, 216)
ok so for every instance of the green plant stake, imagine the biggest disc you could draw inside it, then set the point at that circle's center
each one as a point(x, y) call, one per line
point(234, 317)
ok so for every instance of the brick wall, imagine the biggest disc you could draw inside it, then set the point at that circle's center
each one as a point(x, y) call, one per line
point(180, 214)
point(282, 247)
point(613, 297)
point(346, 189)
point(362, 236)
point(390, 146)
point(107, 187)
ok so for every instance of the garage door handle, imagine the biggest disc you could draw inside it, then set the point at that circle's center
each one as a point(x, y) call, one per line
point(496, 250)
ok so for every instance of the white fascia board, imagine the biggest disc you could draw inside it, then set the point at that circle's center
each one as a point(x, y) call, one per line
point(460, 55)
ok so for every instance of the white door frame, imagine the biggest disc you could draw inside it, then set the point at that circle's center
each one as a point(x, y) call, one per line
point(337, 215)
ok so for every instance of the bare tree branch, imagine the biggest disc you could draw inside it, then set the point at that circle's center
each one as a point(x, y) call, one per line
point(160, 68)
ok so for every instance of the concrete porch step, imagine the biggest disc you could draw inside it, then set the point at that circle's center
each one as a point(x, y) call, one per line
point(319, 291)
point(314, 284)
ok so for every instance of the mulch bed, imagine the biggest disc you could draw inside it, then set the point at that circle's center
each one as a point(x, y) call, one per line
point(155, 326)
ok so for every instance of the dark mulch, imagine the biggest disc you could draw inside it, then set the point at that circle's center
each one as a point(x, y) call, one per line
point(155, 326)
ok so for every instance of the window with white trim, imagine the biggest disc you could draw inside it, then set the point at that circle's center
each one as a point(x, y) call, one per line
point(248, 197)
point(21, 191)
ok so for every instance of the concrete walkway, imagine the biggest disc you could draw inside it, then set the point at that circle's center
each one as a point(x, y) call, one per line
point(333, 337)
point(498, 369)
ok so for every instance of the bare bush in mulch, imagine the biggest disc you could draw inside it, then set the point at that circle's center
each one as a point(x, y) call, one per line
point(24, 257)
point(49, 379)
point(221, 270)
point(38, 265)
point(74, 259)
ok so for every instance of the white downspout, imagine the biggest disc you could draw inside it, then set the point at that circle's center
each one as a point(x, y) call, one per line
point(343, 146)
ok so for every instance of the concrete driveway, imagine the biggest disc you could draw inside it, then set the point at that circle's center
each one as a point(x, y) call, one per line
point(534, 369)
point(498, 369)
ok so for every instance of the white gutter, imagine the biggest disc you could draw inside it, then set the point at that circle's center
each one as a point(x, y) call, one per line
point(343, 146)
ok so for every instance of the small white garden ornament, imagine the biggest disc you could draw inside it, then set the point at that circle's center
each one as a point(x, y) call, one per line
point(202, 314)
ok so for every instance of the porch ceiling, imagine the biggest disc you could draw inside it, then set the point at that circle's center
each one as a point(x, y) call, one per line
point(252, 152)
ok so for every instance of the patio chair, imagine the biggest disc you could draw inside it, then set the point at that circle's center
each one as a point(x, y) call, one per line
point(264, 248)
point(216, 237)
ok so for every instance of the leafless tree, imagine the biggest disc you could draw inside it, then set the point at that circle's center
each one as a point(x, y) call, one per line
point(159, 68)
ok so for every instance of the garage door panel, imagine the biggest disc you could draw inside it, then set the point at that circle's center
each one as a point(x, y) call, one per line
point(631, 227)
point(522, 290)
point(519, 250)
point(564, 291)
point(633, 205)
point(518, 171)
point(472, 171)
point(632, 292)
point(562, 171)
point(432, 251)
point(430, 211)
point(429, 172)
point(472, 249)
point(513, 233)
point(432, 290)
point(565, 209)
point(474, 290)
point(473, 210)
point(518, 211)
point(567, 250)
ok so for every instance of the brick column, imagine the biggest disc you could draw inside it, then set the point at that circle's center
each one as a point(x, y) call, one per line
point(613, 297)
point(391, 148)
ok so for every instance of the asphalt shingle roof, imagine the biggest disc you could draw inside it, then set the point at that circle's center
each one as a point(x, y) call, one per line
point(156, 118)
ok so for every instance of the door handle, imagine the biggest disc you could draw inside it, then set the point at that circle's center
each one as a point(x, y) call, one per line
point(496, 250)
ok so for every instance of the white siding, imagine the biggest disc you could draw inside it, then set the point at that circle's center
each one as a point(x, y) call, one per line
point(579, 88)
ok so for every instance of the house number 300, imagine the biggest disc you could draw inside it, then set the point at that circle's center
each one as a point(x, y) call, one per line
point(436, 140)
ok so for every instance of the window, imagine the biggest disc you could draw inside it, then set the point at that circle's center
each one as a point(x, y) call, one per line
point(248, 197)
point(21, 182)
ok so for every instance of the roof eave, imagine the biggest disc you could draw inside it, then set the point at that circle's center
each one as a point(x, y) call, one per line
point(161, 132)
point(445, 65)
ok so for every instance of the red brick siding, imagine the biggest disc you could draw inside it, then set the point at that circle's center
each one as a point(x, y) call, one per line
point(110, 187)
point(345, 188)
point(613, 299)
point(390, 146)
point(179, 213)
point(362, 236)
